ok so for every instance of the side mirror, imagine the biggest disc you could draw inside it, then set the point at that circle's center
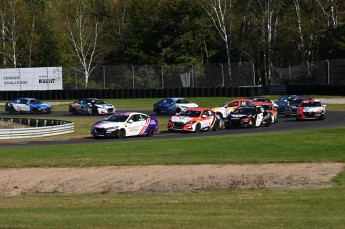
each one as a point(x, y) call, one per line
point(130, 121)
point(203, 116)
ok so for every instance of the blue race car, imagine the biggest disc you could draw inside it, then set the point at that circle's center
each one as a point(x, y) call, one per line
point(28, 105)
point(171, 106)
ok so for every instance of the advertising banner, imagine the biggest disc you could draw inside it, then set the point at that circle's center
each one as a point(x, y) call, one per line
point(27, 79)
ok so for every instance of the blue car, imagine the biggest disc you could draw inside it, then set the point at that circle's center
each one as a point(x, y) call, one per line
point(172, 106)
point(28, 105)
point(282, 102)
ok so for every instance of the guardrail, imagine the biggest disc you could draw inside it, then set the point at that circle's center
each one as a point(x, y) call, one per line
point(36, 128)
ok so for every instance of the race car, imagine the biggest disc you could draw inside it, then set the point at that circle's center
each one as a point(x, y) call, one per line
point(252, 116)
point(125, 124)
point(283, 101)
point(311, 109)
point(292, 107)
point(269, 107)
point(28, 105)
point(91, 106)
point(194, 120)
point(227, 108)
point(172, 106)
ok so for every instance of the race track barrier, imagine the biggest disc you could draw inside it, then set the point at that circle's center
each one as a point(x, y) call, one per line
point(36, 128)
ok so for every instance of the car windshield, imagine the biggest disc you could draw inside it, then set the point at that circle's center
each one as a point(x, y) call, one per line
point(182, 101)
point(98, 101)
point(35, 101)
point(190, 113)
point(117, 118)
point(244, 110)
point(295, 102)
point(267, 107)
point(311, 104)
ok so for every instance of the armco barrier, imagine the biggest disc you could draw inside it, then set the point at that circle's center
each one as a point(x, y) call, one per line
point(36, 128)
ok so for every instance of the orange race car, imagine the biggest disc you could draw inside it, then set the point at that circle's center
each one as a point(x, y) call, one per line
point(194, 120)
point(230, 106)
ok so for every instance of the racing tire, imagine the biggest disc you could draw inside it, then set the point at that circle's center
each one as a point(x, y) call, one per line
point(178, 110)
point(323, 117)
point(151, 132)
point(35, 111)
point(198, 128)
point(72, 110)
point(10, 109)
point(158, 111)
point(276, 119)
point(120, 133)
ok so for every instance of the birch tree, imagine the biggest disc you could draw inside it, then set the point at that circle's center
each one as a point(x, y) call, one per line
point(331, 10)
point(83, 32)
point(220, 13)
point(10, 31)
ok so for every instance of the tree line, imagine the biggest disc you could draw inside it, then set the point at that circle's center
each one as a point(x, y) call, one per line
point(91, 33)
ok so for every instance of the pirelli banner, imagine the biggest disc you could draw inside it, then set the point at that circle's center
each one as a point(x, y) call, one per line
point(29, 79)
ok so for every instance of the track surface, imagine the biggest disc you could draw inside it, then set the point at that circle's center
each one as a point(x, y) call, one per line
point(335, 119)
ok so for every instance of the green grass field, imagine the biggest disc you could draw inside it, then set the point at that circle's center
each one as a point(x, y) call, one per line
point(319, 208)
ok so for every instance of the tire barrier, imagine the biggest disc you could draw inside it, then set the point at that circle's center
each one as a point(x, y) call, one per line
point(36, 128)
point(245, 91)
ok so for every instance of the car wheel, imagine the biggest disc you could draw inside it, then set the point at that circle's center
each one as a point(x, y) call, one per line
point(276, 119)
point(151, 132)
point(120, 133)
point(34, 111)
point(178, 110)
point(198, 128)
point(10, 110)
point(158, 111)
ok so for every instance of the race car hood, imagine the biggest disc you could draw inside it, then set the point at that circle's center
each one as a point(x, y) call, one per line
point(107, 124)
point(312, 109)
point(186, 105)
point(239, 116)
point(42, 105)
point(183, 119)
point(103, 105)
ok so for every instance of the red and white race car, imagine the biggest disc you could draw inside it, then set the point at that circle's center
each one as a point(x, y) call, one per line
point(311, 109)
point(269, 107)
point(194, 120)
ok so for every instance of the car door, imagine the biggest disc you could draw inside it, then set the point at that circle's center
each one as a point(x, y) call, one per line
point(25, 105)
point(206, 118)
point(135, 124)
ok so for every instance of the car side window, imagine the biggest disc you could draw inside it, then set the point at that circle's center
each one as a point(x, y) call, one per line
point(233, 104)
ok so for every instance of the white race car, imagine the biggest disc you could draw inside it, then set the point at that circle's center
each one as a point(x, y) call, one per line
point(124, 124)
point(311, 109)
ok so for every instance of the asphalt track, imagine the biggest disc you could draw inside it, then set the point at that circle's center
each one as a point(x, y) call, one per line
point(334, 119)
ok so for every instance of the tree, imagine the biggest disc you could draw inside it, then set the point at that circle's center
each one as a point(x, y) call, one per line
point(220, 13)
point(83, 31)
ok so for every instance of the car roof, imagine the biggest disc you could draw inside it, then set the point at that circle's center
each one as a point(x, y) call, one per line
point(197, 108)
point(27, 98)
point(259, 103)
point(129, 113)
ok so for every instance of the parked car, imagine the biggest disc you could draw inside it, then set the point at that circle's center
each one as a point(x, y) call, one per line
point(172, 106)
point(194, 120)
point(283, 100)
point(311, 109)
point(269, 107)
point(28, 105)
point(125, 124)
point(227, 108)
point(91, 106)
point(252, 116)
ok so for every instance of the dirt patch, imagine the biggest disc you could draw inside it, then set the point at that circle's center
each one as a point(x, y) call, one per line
point(11, 125)
point(177, 178)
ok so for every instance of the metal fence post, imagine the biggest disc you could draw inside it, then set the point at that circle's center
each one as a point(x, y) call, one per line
point(103, 77)
point(133, 75)
point(328, 76)
point(253, 73)
point(162, 72)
